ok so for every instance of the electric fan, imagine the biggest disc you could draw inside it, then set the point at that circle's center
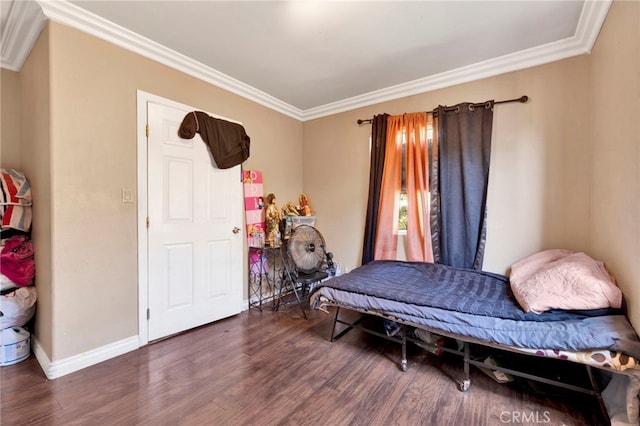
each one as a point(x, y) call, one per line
point(307, 249)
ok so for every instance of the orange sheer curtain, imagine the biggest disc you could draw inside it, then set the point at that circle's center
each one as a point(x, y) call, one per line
point(417, 183)
point(387, 226)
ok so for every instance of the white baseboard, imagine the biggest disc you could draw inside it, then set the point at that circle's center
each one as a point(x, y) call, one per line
point(55, 369)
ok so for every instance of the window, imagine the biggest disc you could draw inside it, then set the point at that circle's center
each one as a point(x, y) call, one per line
point(402, 213)
point(416, 164)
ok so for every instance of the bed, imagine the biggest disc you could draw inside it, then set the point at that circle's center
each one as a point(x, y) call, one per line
point(477, 308)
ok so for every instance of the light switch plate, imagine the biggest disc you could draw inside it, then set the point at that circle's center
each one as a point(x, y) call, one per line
point(127, 195)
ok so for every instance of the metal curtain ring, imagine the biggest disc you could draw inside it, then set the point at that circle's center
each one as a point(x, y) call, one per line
point(471, 107)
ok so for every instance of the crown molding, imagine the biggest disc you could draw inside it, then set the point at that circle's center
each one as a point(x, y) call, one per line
point(592, 17)
point(24, 23)
point(594, 12)
point(26, 20)
point(73, 16)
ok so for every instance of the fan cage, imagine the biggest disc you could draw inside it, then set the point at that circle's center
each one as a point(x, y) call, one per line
point(307, 249)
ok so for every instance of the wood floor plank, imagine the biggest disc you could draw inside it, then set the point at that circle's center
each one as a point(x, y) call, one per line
point(276, 368)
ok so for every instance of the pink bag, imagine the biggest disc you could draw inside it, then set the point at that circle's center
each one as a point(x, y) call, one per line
point(16, 260)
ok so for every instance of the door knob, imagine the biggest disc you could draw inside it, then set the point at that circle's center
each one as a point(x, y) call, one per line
point(236, 230)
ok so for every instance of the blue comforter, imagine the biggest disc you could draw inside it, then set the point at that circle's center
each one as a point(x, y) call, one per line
point(473, 303)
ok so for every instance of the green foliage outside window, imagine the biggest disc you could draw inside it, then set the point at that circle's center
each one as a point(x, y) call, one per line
point(402, 216)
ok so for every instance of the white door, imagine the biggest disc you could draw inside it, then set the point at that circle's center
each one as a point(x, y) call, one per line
point(194, 238)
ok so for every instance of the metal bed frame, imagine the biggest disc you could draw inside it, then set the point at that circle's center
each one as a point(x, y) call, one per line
point(465, 383)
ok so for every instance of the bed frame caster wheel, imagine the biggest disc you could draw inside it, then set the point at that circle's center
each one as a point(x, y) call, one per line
point(465, 385)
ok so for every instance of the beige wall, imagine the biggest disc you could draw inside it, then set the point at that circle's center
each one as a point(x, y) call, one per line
point(615, 144)
point(35, 150)
point(9, 120)
point(92, 154)
point(539, 180)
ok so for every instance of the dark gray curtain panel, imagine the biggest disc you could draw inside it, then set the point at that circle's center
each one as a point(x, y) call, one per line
point(464, 150)
point(378, 143)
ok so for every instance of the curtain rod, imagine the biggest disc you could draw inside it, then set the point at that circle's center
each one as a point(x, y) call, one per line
point(521, 99)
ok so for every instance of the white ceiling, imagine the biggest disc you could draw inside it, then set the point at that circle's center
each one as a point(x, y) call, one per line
point(313, 58)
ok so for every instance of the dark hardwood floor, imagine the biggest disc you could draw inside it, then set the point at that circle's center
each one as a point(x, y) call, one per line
point(275, 368)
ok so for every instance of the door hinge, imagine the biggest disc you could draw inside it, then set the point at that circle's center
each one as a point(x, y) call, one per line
point(148, 313)
point(147, 222)
point(147, 130)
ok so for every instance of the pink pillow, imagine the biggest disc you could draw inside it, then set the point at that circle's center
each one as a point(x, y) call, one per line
point(563, 279)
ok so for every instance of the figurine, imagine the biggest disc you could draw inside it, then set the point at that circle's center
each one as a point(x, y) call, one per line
point(290, 210)
point(272, 219)
point(305, 210)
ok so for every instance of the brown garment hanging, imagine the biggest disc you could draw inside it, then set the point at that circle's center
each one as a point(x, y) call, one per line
point(228, 142)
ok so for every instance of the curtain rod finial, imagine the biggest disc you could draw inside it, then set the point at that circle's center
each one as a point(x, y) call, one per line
point(524, 99)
